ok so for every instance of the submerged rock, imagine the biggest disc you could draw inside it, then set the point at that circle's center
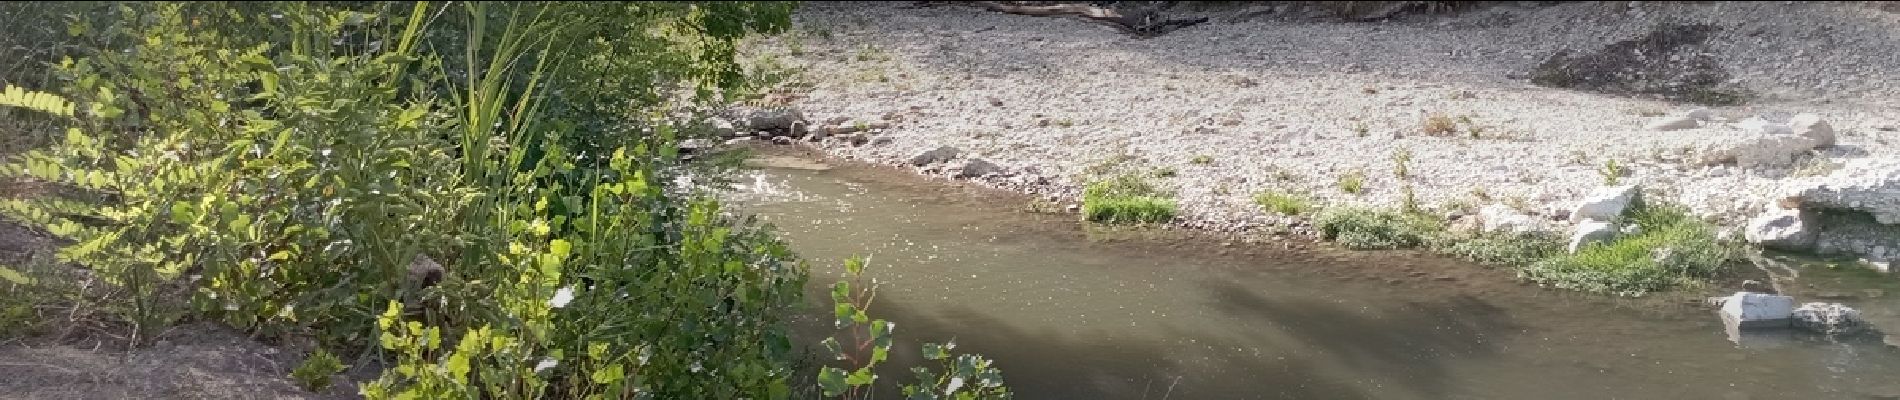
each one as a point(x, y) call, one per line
point(1828, 318)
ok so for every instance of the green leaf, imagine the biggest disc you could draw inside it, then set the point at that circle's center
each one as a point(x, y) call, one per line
point(831, 343)
point(559, 248)
point(182, 213)
point(933, 351)
point(854, 266)
point(845, 313)
point(832, 380)
point(613, 373)
point(861, 377)
point(9, 275)
point(841, 292)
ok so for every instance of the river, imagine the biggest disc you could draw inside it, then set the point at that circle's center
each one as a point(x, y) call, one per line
point(1068, 314)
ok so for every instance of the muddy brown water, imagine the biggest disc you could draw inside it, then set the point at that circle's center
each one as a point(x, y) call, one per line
point(1068, 315)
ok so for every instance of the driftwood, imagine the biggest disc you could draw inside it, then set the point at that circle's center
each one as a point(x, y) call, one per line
point(1143, 24)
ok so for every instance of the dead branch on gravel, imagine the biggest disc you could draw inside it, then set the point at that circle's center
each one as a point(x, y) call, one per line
point(1142, 24)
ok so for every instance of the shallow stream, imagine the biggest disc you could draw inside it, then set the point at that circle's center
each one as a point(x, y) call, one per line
point(1068, 314)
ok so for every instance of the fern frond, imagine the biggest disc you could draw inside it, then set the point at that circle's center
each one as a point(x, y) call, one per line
point(35, 100)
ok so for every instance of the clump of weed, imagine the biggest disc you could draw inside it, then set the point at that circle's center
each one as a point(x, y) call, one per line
point(1670, 248)
point(1438, 124)
point(1504, 249)
point(1353, 182)
point(315, 372)
point(1283, 203)
point(1611, 172)
point(1126, 199)
point(1202, 159)
point(1361, 229)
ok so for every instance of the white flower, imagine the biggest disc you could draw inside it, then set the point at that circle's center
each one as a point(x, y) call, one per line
point(955, 383)
point(561, 297)
point(545, 364)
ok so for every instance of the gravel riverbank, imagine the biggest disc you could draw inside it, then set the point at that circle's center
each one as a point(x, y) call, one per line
point(1256, 101)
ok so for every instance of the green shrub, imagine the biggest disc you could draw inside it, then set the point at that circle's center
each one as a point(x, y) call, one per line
point(1283, 203)
point(1202, 159)
point(1363, 229)
point(314, 372)
point(1126, 199)
point(1353, 182)
point(238, 154)
point(1671, 248)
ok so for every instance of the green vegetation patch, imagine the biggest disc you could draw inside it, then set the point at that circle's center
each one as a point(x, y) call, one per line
point(1126, 199)
point(1283, 203)
point(1365, 229)
point(1504, 249)
point(1671, 248)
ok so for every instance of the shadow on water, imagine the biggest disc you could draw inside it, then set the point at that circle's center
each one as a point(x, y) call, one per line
point(1046, 364)
point(1310, 349)
point(1407, 343)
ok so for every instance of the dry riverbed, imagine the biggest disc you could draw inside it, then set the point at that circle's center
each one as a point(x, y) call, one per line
point(1266, 102)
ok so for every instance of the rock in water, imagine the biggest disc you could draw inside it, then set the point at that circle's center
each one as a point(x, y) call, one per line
point(1783, 229)
point(938, 155)
point(1828, 318)
point(1758, 310)
point(1870, 185)
point(1591, 232)
point(1672, 123)
point(1606, 204)
point(1812, 127)
point(978, 168)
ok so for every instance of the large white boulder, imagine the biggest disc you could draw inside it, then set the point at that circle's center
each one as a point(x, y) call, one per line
point(1750, 310)
point(1870, 185)
point(1758, 150)
point(1606, 204)
point(1828, 318)
point(1812, 127)
point(1591, 232)
point(1783, 229)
